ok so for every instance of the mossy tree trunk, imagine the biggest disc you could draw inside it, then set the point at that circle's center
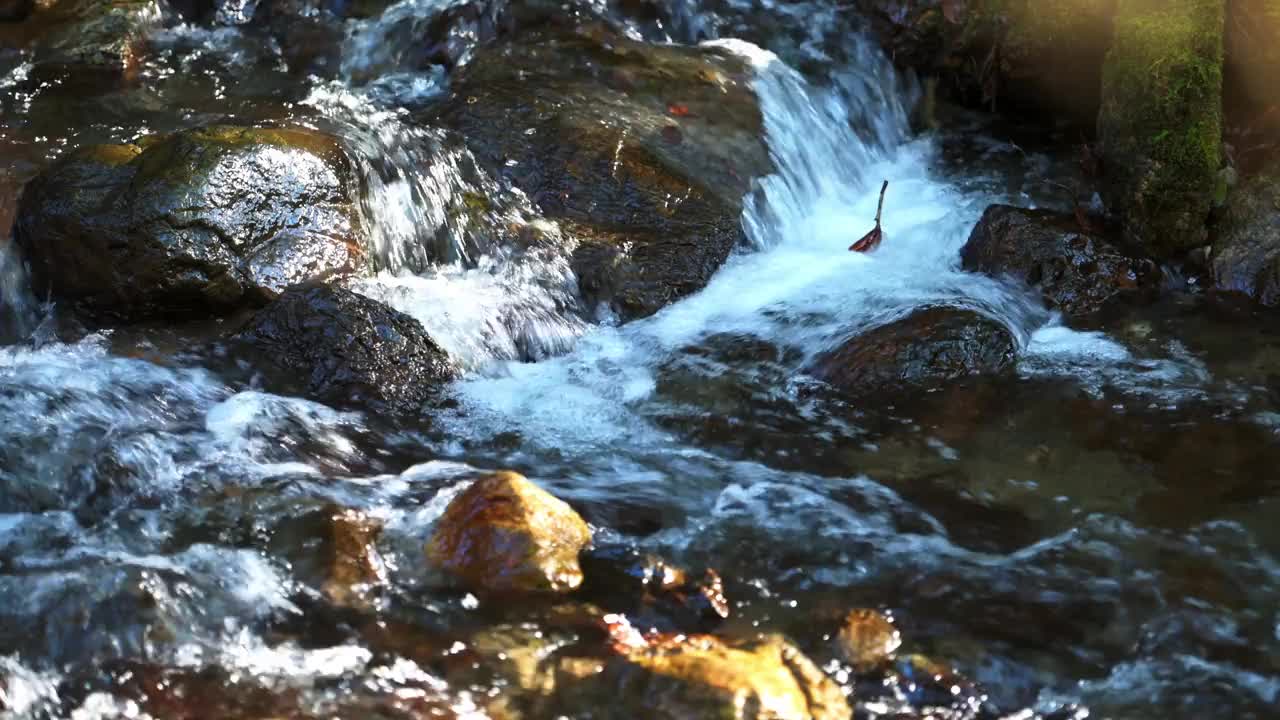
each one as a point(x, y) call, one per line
point(1160, 124)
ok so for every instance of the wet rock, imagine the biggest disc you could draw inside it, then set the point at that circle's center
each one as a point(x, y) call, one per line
point(652, 591)
point(927, 348)
point(504, 533)
point(91, 40)
point(867, 639)
point(700, 676)
point(1246, 253)
point(642, 152)
point(1077, 272)
point(347, 349)
point(335, 549)
point(1160, 125)
point(199, 222)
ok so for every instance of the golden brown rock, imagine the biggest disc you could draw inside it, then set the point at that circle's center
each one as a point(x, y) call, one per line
point(506, 534)
point(677, 677)
point(351, 556)
point(867, 639)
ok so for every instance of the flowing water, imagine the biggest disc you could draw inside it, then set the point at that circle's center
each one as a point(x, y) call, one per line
point(1092, 537)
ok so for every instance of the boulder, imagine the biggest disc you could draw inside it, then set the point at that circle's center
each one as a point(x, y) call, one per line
point(504, 534)
point(1076, 271)
point(1160, 125)
point(344, 348)
point(690, 677)
point(88, 41)
point(867, 639)
point(202, 221)
point(927, 348)
point(1246, 254)
point(642, 152)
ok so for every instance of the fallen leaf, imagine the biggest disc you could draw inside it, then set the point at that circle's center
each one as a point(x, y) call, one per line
point(871, 240)
point(677, 110)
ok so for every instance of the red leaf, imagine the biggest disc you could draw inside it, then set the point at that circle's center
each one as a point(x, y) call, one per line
point(678, 110)
point(869, 242)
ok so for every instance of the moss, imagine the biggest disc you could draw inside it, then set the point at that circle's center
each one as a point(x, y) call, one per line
point(1160, 125)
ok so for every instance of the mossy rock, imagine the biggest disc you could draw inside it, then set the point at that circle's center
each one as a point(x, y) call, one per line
point(1160, 126)
point(197, 223)
point(642, 151)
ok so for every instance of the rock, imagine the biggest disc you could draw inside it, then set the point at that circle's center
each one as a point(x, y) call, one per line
point(347, 349)
point(652, 591)
point(504, 533)
point(867, 639)
point(643, 152)
point(1246, 253)
point(927, 348)
point(1041, 56)
point(203, 221)
point(699, 676)
point(91, 40)
point(1076, 272)
point(335, 549)
point(1160, 125)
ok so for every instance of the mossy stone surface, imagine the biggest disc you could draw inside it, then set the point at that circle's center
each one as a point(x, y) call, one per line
point(1160, 125)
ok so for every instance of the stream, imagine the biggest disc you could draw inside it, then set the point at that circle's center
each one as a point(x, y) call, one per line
point(1091, 535)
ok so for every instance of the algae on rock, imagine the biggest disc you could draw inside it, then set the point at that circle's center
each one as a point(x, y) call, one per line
point(1160, 125)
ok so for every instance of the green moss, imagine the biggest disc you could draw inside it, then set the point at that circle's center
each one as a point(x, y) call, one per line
point(1160, 125)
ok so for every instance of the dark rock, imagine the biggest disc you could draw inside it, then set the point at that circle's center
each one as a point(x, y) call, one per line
point(196, 223)
point(87, 41)
point(344, 348)
point(929, 347)
point(578, 122)
point(651, 591)
point(1077, 272)
point(1246, 254)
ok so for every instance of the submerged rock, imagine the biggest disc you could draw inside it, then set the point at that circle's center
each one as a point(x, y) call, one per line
point(202, 221)
point(927, 348)
point(1160, 125)
point(641, 151)
point(700, 676)
point(503, 533)
point(1246, 253)
point(347, 349)
point(1076, 272)
point(867, 639)
point(652, 591)
point(14, 11)
point(335, 549)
